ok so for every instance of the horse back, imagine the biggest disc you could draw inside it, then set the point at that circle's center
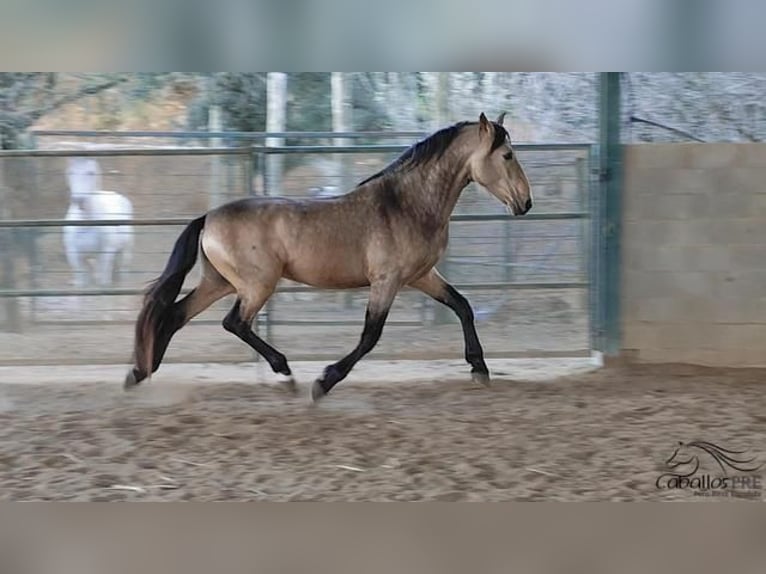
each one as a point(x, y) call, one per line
point(110, 205)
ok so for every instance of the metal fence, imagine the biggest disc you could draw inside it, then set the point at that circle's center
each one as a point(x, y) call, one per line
point(527, 278)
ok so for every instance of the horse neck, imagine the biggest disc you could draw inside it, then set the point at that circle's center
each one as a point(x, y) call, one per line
point(85, 203)
point(433, 190)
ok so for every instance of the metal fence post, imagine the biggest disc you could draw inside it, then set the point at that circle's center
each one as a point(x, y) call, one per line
point(12, 312)
point(442, 313)
point(594, 250)
point(248, 160)
point(509, 250)
point(214, 126)
point(610, 176)
point(581, 167)
point(266, 179)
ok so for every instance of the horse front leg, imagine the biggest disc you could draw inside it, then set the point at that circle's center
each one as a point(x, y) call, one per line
point(104, 271)
point(119, 269)
point(124, 257)
point(436, 287)
point(79, 274)
point(382, 295)
point(74, 258)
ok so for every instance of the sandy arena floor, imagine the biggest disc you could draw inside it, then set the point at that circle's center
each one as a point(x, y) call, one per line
point(207, 432)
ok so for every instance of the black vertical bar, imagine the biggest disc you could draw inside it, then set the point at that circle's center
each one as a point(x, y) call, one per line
point(610, 192)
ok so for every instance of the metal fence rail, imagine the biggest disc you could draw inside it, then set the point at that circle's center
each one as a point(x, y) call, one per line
point(127, 152)
point(179, 222)
point(234, 135)
point(17, 223)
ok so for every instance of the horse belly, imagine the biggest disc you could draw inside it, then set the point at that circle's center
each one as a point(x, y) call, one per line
point(116, 237)
point(112, 205)
point(83, 239)
point(332, 269)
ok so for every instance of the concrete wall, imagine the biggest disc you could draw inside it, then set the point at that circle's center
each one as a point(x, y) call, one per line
point(694, 254)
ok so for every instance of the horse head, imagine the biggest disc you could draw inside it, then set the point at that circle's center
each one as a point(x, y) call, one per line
point(683, 462)
point(83, 177)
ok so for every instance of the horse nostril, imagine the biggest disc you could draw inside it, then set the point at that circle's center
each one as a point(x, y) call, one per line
point(528, 204)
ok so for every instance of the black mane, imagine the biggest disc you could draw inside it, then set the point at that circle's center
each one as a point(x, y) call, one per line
point(432, 148)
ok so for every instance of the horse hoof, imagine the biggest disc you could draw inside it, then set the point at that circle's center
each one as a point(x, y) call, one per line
point(288, 383)
point(130, 380)
point(481, 378)
point(317, 392)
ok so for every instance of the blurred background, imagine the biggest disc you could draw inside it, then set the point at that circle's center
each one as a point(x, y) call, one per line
point(176, 144)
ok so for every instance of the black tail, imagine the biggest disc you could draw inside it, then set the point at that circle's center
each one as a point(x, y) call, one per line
point(161, 294)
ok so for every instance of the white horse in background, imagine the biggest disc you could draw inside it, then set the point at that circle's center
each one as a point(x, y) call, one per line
point(108, 247)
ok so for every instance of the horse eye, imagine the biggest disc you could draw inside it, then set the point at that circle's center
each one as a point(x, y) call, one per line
point(508, 155)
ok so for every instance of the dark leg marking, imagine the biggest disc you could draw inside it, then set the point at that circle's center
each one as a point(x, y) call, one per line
point(241, 327)
point(333, 374)
point(474, 354)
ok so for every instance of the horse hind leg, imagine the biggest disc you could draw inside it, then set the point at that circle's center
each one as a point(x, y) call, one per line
point(120, 267)
point(105, 264)
point(117, 270)
point(123, 260)
point(239, 322)
point(80, 276)
point(79, 268)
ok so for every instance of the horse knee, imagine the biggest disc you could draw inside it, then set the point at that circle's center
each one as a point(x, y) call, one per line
point(232, 322)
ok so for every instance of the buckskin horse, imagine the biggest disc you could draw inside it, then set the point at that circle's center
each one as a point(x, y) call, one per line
point(385, 234)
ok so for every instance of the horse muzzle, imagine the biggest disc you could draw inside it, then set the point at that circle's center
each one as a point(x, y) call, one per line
point(518, 208)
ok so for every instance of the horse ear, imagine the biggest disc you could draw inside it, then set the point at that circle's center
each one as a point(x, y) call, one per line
point(485, 128)
point(500, 119)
